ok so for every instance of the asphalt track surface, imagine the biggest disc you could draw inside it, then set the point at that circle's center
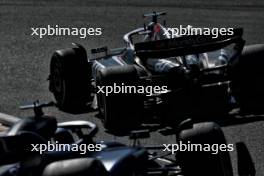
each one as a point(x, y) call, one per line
point(24, 59)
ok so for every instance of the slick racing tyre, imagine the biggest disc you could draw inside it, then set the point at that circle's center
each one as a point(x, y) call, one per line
point(69, 79)
point(206, 162)
point(75, 167)
point(120, 112)
point(249, 79)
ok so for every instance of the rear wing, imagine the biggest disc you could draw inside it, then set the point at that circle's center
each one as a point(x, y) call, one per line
point(185, 45)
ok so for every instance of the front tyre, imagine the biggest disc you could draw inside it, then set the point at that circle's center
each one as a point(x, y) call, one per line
point(69, 79)
point(202, 154)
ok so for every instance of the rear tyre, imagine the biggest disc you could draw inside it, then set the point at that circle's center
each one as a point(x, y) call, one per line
point(69, 79)
point(120, 112)
point(249, 79)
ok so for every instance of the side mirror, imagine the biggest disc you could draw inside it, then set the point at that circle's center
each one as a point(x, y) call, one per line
point(203, 162)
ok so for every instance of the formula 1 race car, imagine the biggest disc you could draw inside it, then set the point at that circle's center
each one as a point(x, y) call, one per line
point(49, 148)
point(160, 78)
